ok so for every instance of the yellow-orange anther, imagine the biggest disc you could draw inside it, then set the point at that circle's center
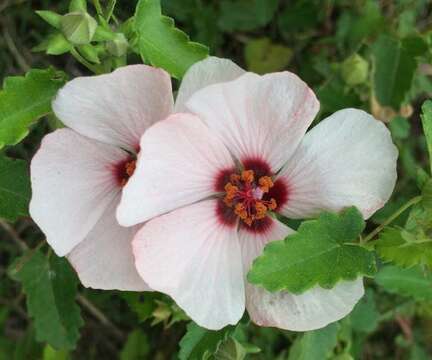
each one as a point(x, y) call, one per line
point(247, 203)
point(240, 211)
point(235, 178)
point(272, 205)
point(130, 167)
point(230, 192)
point(265, 183)
point(248, 176)
point(261, 210)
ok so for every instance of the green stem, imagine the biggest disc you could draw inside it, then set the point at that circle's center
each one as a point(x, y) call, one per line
point(390, 219)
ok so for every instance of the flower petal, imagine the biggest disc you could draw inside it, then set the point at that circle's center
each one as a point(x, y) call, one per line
point(73, 182)
point(211, 70)
point(347, 159)
point(116, 108)
point(314, 309)
point(311, 310)
point(178, 165)
point(190, 256)
point(104, 259)
point(258, 117)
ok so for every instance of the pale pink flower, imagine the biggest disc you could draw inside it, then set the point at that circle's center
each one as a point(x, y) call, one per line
point(78, 173)
point(209, 184)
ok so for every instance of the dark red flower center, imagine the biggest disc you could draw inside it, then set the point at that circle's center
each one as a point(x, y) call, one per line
point(244, 194)
point(124, 170)
point(250, 195)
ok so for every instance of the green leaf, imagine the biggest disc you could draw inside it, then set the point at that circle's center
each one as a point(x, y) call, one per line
point(322, 253)
point(50, 353)
point(364, 317)
point(137, 346)
point(50, 17)
point(400, 128)
point(404, 248)
point(299, 15)
point(231, 349)
point(55, 44)
point(412, 282)
point(199, 343)
point(14, 188)
point(313, 345)
point(246, 15)
point(262, 56)
point(161, 43)
point(426, 117)
point(25, 99)
point(395, 64)
point(50, 286)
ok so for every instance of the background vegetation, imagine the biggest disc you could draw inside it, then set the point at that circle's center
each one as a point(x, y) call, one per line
point(374, 55)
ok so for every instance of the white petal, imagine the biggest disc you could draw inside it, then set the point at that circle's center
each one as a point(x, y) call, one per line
point(190, 256)
point(258, 117)
point(104, 259)
point(211, 70)
point(116, 108)
point(311, 310)
point(73, 182)
point(314, 309)
point(178, 165)
point(347, 159)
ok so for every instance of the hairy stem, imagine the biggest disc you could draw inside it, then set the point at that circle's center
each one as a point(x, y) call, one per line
point(391, 218)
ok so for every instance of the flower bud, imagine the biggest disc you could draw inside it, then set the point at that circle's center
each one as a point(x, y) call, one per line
point(78, 27)
point(355, 70)
point(118, 46)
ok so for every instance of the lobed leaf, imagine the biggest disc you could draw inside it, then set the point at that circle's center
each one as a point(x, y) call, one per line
point(404, 248)
point(24, 100)
point(412, 282)
point(50, 286)
point(14, 188)
point(321, 253)
point(161, 43)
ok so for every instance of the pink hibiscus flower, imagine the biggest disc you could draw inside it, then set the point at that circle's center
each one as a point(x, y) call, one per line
point(78, 173)
point(210, 183)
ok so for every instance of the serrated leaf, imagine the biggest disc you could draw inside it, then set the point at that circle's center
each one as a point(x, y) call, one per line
point(412, 282)
point(404, 248)
point(161, 43)
point(321, 253)
point(14, 188)
point(246, 15)
point(50, 286)
point(395, 64)
point(23, 100)
point(316, 344)
point(199, 343)
point(426, 117)
point(262, 56)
